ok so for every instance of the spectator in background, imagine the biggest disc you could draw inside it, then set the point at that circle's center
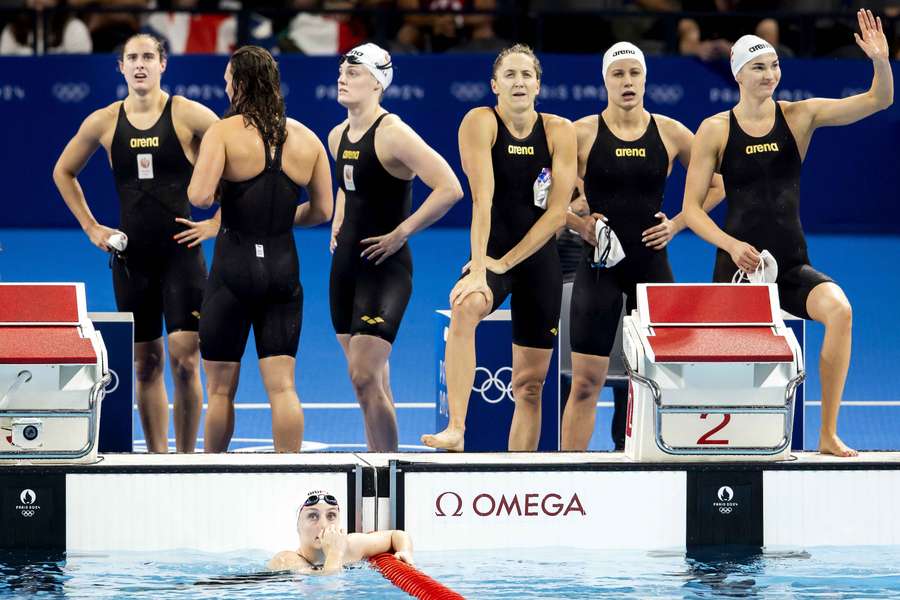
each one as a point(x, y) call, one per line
point(196, 33)
point(444, 31)
point(110, 30)
point(322, 34)
point(64, 32)
point(711, 37)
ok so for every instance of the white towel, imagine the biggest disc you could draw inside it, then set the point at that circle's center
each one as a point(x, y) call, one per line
point(608, 252)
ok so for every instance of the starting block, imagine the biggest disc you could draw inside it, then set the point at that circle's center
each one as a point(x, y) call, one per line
point(713, 371)
point(53, 373)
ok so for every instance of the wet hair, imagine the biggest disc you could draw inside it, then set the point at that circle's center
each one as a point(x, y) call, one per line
point(256, 93)
point(160, 46)
point(517, 49)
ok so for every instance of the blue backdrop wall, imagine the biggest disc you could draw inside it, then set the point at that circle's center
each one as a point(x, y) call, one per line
point(850, 181)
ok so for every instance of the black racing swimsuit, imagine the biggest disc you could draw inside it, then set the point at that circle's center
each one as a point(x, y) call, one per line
point(535, 284)
point(623, 181)
point(762, 184)
point(155, 276)
point(255, 275)
point(369, 299)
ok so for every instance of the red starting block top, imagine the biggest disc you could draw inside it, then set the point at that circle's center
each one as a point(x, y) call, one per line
point(718, 344)
point(45, 345)
point(24, 303)
point(720, 303)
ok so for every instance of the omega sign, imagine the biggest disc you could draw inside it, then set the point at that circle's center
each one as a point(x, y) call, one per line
point(551, 504)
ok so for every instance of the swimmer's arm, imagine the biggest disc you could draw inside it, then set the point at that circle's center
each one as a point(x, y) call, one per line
point(578, 208)
point(684, 141)
point(197, 117)
point(410, 149)
point(361, 546)
point(321, 203)
point(209, 168)
point(824, 112)
point(338, 220)
point(476, 136)
point(334, 140)
point(564, 146)
point(72, 160)
point(704, 155)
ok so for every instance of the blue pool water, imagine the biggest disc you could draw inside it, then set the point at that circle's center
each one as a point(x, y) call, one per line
point(825, 572)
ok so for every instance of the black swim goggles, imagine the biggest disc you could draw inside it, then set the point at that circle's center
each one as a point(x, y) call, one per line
point(352, 59)
point(316, 498)
point(603, 240)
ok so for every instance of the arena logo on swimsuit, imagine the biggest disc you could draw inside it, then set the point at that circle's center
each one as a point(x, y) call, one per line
point(350, 155)
point(641, 152)
point(757, 148)
point(529, 150)
point(145, 142)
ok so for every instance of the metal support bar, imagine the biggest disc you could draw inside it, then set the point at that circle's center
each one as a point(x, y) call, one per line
point(787, 410)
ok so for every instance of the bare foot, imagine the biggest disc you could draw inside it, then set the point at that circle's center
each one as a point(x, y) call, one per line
point(452, 440)
point(832, 444)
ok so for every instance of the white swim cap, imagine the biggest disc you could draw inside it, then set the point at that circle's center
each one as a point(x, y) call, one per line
point(747, 48)
point(375, 59)
point(623, 51)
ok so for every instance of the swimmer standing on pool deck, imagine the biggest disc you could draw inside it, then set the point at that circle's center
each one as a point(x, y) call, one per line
point(625, 155)
point(262, 159)
point(152, 140)
point(521, 166)
point(759, 147)
point(376, 157)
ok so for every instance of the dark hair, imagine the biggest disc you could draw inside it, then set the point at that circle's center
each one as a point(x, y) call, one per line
point(256, 93)
point(160, 47)
point(517, 49)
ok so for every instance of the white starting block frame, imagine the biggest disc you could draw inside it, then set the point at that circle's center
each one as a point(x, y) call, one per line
point(695, 351)
point(53, 374)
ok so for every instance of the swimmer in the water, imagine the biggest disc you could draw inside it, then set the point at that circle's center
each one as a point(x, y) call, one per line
point(324, 548)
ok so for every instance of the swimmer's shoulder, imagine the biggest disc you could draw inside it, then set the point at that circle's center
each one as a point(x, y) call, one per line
point(196, 115)
point(673, 131)
point(479, 127)
point(301, 140)
point(102, 121)
point(288, 560)
point(714, 130)
point(334, 136)
point(393, 136)
point(300, 132)
point(586, 129)
point(480, 117)
point(560, 130)
point(392, 125)
point(667, 124)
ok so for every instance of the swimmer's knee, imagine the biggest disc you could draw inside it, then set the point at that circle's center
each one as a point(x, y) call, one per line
point(528, 389)
point(472, 309)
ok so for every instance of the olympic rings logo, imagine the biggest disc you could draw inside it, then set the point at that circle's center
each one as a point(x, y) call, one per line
point(494, 385)
point(665, 94)
point(725, 510)
point(28, 513)
point(70, 91)
point(113, 381)
point(468, 91)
